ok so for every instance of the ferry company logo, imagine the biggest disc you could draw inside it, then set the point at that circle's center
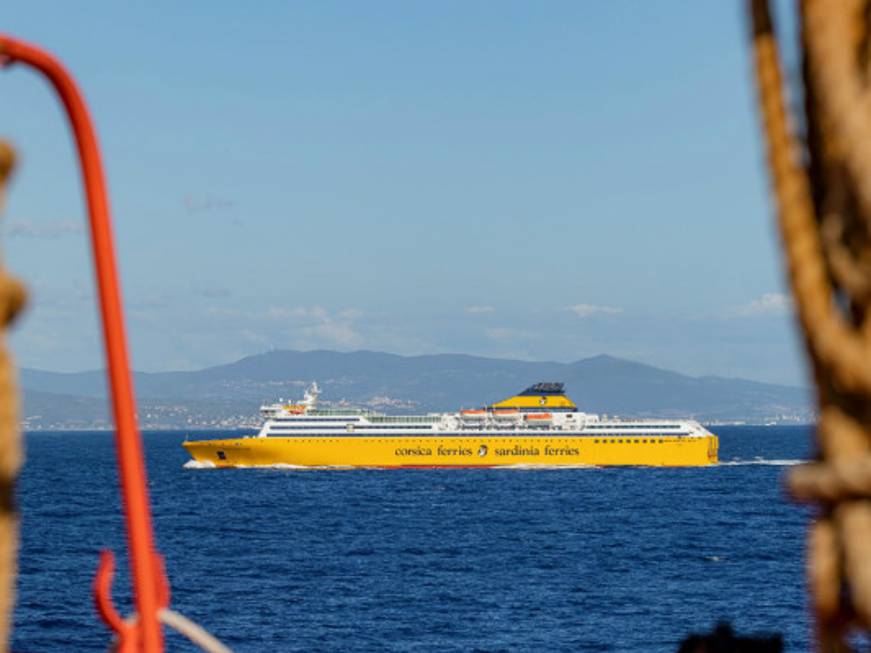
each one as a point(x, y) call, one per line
point(482, 450)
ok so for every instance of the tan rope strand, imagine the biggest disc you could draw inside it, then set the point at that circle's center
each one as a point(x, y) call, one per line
point(12, 299)
point(824, 574)
point(854, 518)
point(826, 333)
point(823, 200)
point(832, 39)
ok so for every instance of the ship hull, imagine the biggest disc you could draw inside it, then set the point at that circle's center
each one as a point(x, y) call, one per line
point(456, 451)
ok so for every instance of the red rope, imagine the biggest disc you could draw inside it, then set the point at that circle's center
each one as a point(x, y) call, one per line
point(148, 579)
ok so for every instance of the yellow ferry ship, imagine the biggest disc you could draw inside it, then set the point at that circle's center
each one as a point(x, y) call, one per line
point(539, 426)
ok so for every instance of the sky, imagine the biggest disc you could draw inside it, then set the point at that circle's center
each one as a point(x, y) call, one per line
point(543, 181)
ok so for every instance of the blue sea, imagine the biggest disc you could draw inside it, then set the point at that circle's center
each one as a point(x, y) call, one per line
point(425, 560)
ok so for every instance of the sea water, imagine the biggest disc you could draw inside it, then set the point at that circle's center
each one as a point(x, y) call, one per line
point(585, 559)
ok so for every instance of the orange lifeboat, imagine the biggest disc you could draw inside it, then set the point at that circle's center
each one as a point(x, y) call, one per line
point(539, 418)
point(506, 413)
point(473, 414)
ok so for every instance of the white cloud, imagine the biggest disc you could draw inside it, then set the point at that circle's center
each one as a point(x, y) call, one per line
point(42, 228)
point(333, 332)
point(300, 312)
point(206, 204)
point(505, 334)
point(351, 313)
point(252, 336)
point(315, 326)
point(212, 292)
point(586, 310)
point(220, 311)
point(772, 303)
point(479, 310)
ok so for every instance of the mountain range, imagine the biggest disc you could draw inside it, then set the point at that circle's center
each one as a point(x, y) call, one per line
point(230, 395)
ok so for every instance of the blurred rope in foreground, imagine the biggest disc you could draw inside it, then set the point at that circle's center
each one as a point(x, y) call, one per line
point(820, 167)
point(12, 298)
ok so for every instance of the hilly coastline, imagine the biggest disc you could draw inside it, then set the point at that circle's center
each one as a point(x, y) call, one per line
point(229, 396)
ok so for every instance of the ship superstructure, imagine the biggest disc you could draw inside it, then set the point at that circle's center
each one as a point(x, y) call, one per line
point(539, 426)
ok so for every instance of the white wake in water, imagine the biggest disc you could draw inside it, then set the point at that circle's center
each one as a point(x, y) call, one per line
point(774, 462)
point(205, 464)
point(762, 461)
point(293, 468)
point(196, 464)
point(543, 467)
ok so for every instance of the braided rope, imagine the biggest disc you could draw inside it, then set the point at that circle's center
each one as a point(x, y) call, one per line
point(822, 191)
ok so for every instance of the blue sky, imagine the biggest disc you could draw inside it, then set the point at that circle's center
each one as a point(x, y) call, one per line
point(545, 181)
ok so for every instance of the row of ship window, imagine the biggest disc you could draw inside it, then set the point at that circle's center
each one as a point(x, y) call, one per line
point(636, 426)
point(297, 420)
point(342, 428)
point(316, 419)
point(633, 441)
point(335, 411)
point(405, 420)
point(286, 429)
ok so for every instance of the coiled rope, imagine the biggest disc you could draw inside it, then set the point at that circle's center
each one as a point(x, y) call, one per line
point(821, 183)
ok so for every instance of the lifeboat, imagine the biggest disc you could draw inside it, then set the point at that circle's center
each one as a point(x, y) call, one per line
point(539, 418)
point(473, 414)
point(506, 413)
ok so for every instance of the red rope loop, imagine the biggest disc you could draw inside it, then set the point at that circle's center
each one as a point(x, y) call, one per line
point(148, 580)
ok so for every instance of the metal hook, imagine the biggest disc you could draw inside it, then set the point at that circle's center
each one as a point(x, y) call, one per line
point(126, 633)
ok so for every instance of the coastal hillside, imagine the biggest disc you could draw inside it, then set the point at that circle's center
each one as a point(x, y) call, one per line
point(230, 395)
